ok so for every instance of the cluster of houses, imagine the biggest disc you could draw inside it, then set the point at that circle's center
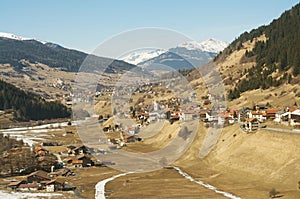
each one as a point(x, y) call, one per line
point(73, 156)
point(41, 180)
point(289, 116)
point(78, 156)
point(159, 110)
point(164, 109)
point(176, 109)
point(125, 134)
point(251, 119)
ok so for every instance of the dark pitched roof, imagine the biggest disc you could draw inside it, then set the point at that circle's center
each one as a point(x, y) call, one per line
point(79, 147)
point(60, 172)
point(40, 173)
point(71, 147)
point(57, 180)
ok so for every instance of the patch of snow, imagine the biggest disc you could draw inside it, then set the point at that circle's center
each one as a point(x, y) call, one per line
point(208, 186)
point(22, 195)
point(43, 126)
point(30, 135)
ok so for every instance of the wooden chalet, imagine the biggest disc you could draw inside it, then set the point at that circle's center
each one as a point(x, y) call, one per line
point(82, 161)
point(77, 150)
point(56, 184)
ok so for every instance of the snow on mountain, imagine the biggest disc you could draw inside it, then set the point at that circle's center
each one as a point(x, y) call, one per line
point(15, 37)
point(213, 45)
point(188, 55)
point(141, 55)
point(191, 45)
point(12, 36)
point(210, 45)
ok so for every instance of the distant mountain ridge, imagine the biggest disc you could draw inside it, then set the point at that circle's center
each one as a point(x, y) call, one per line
point(15, 48)
point(187, 55)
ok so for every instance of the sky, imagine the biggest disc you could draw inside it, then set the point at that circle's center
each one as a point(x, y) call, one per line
point(84, 24)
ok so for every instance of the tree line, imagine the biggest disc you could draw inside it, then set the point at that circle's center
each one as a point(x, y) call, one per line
point(279, 54)
point(28, 106)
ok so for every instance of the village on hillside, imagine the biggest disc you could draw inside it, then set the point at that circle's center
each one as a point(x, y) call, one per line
point(148, 105)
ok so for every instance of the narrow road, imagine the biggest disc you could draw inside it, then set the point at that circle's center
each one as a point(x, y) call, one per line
point(100, 186)
point(283, 130)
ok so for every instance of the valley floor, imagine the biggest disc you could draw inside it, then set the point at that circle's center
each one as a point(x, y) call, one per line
point(246, 165)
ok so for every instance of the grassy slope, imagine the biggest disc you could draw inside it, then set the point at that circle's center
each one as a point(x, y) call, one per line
point(248, 165)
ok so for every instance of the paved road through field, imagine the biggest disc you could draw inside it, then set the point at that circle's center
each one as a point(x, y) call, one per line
point(283, 130)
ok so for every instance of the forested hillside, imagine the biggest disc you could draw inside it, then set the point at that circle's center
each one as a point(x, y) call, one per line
point(28, 106)
point(277, 58)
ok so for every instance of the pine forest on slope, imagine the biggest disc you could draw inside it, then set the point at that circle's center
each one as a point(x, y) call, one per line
point(277, 58)
point(28, 106)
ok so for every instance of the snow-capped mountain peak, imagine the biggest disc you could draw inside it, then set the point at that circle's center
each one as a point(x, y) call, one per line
point(12, 36)
point(213, 45)
point(191, 45)
point(210, 45)
point(141, 55)
point(188, 54)
point(15, 37)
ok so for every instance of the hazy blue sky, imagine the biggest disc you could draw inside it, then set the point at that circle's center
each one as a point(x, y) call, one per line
point(83, 24)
